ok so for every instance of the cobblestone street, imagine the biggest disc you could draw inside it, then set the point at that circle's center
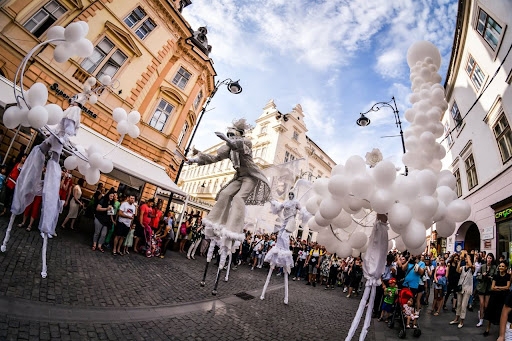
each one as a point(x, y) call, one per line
point(93, 296)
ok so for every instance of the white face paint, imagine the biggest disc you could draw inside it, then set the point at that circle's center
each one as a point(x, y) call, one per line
point(233, 132)
point(291, 196)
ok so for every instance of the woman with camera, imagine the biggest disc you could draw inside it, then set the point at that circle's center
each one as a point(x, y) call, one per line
point(484, 277)
point(464, 287)
point(453, 280)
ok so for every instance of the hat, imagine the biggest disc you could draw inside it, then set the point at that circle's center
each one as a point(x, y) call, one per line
point(392, 280)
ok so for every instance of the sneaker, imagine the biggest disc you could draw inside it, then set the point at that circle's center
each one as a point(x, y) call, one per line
point(279, 274)
point(480, 323)
point(348, 296)
point(188, 257)
point(344, 290)
point(460, 325)
point(252, 268)
point(294, 278)
point(415, 326)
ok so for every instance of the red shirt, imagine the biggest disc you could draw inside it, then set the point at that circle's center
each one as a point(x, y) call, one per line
point(64, 189)
point(156, 219)
point(13, 176)
point(145, 211)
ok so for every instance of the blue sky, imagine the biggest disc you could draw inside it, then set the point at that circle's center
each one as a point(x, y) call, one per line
point(333, 57)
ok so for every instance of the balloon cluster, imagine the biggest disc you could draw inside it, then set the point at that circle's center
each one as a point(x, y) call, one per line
point(127, 123)
point(414, 202)
point(89, 162)
point(70, 41)
point(35, 112)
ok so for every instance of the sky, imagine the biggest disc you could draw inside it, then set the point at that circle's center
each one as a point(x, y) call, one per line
point(335, 58)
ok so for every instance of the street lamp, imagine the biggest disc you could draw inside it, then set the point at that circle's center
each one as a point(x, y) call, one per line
point(233, 87)
point(363, 121)
point(309, 174)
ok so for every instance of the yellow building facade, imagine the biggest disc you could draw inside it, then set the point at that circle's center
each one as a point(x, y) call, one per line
point(159, 63)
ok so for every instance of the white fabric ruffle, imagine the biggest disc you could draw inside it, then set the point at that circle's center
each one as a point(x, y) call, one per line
point(280, 258)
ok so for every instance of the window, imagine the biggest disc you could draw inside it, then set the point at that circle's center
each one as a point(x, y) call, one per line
point(448, 134)
point(471, 171)
point(133, 18)
point(288, 157)
point(182, 134)
point(162, 113)
point(263, 129)
point(105, 50)
point(136, 16)
point(475, 73)
point(457, 118)
point(181, 78)
point(45, 18)
point(489, 29)
point(503, 136)
point(458, 184)
point(295, 136)
point(145, 28)
point(198, 99)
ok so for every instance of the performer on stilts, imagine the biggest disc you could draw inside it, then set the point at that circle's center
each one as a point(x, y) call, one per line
point(224, 224)
point(281, 255)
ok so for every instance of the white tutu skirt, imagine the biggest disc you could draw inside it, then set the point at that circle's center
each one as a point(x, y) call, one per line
point(278, 257)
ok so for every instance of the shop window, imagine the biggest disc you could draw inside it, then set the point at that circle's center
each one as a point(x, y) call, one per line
point(471, 175)
point(489, 29)
point(106, 59)
point(457, 118)
point(475, 73)
point(161, 114)
point(181, 78)
point(45, 18)
point(503, 136)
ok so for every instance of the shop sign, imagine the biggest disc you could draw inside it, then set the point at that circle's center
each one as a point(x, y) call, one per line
point(503, 214)
point(487, 233)
point(59, 92)
point(487, 244)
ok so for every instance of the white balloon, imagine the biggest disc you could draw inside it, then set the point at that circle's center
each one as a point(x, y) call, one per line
point(37, 117)
point(445, 194)
point(339, 185)
point(122, 127)
point(321, 221)
point(38, 95)
point(55, 32)
point(92, 176)
point(12, 117)
point(95, 160)
point(62, 53)
point(440, 212)
point(421, 50)
point(355, 165)
point(133, 117)
point(354, 204)
point(93, 149)
point(313, 226)
point(356, 253)
point(105, 80)
point(85, 27)
point(382, 200)
point(329, 208)
point(71, 162)
point(399, 244)
point(343, 250)
point(446, 178)
point(406, 188)
point(458, 211)
point(362, 186)
point(384, 173)
point(84, 48)
point(91, 81)
point(445, 228)
point(358, 240)
point(93, 99)
point(414, 234)
point(55, 113)
point(343, 220)
point(106, 166)
point(83, 167)
point(399, 216)
point(133, 131)
point(426, 181)
point(73, 32)
point(313, 203)
point(424, 208)
point(320, 186)
point(419, 250)
point(338, 170)
point(119, 114)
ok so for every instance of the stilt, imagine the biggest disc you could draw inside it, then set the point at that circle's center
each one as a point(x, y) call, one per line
point(229, 267)
point(214, 291)
point(285, 287)
point(262, 297)
point(203, 282)
point(8, 233)
point(43, 254)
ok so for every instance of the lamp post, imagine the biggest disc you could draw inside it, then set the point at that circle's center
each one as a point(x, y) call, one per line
point(363, 121)
point(309, 174)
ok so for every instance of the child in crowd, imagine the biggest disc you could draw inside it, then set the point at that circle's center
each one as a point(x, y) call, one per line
point(389, 300)
point(410, 314)
point(128, 241)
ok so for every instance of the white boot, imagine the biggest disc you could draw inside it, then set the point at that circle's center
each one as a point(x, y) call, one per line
point(480, 323)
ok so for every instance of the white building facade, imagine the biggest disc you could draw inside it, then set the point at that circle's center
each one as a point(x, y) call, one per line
point(477, 122)
point(278, 140)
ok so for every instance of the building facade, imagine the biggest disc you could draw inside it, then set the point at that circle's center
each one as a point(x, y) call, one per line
point(278, 140)
point(478, 137)
point(160, 65)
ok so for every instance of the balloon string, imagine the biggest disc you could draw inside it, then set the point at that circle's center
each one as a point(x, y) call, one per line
point(115, 146)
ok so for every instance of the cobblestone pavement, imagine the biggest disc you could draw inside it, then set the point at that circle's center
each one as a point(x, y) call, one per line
point(93, 296)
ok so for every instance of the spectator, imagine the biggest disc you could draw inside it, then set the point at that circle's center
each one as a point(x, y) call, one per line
point(506, 320)
point(477, 263)
point(74, 204)
point(144, 212)
point(66, 183)
point(195, 240)
point(356, 275)
point(157, 215)
point(10, 183)
point(389, 272)
point(465, 268)
point(453, 280)
point(499, 290)
point(440, 286)
point(103, 219)
point(128, 241)
point(484, 276)
point(334, 266)
point(313, 263)
point(184, 231)
point(301, 260)
point(414, 270)
point(124, 222)
point(389, 300)
point(257, 248)
point(167, 236)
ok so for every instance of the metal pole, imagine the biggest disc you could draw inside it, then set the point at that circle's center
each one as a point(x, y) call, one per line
point(399, 125)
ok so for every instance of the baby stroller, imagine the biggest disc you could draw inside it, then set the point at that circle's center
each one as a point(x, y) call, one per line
point(403, 296)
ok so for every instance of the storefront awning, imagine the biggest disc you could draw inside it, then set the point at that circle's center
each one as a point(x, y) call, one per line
point(129, 167)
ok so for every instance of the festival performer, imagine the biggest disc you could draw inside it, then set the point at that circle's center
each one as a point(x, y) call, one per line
point(281, 255)
point(225, 222)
